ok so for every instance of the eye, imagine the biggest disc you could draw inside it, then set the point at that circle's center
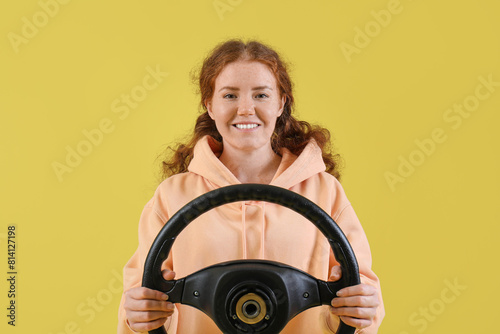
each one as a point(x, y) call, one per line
point(228, 95)
point(264, 95)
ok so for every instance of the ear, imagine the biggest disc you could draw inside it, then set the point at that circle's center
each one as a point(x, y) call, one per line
point(208, 104)
point(283, 100)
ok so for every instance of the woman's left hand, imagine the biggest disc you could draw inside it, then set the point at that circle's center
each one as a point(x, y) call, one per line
point(355, 305)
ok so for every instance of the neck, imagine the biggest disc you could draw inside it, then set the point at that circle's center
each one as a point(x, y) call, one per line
point(251, 167)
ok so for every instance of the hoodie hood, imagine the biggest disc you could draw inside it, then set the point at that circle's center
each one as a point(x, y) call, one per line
point(291, 171)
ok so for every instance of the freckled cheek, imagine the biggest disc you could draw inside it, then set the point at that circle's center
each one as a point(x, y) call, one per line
point(222, 119)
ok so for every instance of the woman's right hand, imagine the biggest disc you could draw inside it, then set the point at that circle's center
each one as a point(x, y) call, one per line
point(148, 309)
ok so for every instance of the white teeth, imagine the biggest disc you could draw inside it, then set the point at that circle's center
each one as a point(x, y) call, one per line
point(246, 126)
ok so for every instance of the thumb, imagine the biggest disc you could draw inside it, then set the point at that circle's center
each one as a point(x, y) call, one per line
point(168, 274)
point(335, 273)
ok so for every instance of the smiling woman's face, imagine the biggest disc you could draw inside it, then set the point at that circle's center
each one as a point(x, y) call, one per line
point(245, 106)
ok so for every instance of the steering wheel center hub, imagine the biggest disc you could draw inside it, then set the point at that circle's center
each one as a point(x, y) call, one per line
point(251, 308)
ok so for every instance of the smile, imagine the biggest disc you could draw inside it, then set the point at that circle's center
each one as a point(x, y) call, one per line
point(246, 126)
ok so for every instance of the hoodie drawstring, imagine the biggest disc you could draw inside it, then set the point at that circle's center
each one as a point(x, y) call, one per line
point(262, 239)
point(262, 232)
point(244, 234)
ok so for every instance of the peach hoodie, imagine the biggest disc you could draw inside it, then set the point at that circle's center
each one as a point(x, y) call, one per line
point(250, 230)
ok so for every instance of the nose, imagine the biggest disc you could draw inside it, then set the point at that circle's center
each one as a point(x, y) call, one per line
point(246, 106)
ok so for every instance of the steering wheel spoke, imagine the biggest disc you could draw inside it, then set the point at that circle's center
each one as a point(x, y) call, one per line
point(328, 290)
point(249, 294)
point(174, 289)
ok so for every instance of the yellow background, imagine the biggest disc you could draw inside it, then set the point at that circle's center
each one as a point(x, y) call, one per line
point(75, 235)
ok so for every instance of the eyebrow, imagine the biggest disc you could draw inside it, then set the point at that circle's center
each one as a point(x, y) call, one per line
point(236, 88)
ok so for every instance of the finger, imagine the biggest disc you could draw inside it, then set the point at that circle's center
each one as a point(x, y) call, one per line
point(147, 326)
point(360, 289)
point(357, 323)
point(168, 274)
point(138, 317)
point(143, 305)
point(358, 301)
point(335, 273)
point(140, 293)
point(361, 313)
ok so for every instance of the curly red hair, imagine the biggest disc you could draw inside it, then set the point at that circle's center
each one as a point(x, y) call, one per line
point(289, 132)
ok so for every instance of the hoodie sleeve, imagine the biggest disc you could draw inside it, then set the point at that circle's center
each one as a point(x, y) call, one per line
point(350, 225)
point(150, 224)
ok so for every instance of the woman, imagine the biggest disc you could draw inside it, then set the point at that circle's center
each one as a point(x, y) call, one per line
point(248, 135)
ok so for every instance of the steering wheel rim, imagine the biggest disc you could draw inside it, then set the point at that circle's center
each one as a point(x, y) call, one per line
point(158, 253)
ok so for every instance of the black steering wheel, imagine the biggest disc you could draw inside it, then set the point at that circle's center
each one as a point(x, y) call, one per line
point(250, 296)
